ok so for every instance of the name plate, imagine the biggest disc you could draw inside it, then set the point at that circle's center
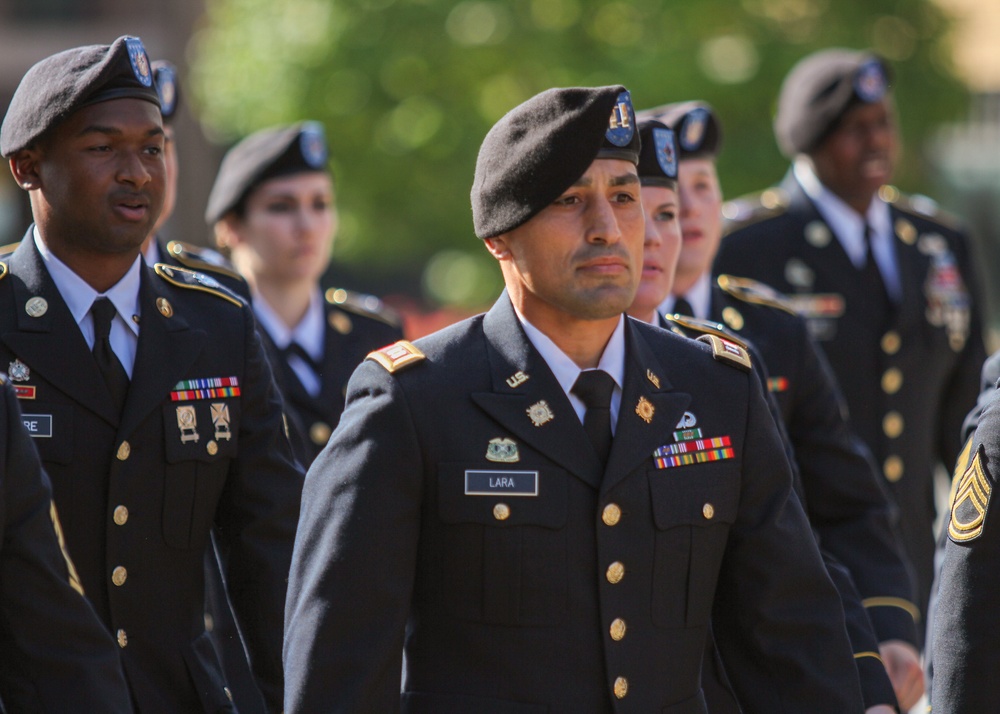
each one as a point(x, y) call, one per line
point(38, 425)
point(496, 483)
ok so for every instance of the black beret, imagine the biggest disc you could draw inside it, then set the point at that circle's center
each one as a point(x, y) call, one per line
point(818, 92)
point(658, 158)
point(266, 154)
point(539, 148)
point(167, 88)
point(698, 131)
point(61, 84)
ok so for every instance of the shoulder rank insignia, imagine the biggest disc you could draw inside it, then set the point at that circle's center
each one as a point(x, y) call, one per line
point(361, 304)
point(193, 280)
point(970, 501)
point(198, 258)
point(398, 355)
point(703, 327)
point(755, 293)
point(726, 350)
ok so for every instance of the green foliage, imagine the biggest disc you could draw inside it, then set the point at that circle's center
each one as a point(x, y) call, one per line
point(408, 88)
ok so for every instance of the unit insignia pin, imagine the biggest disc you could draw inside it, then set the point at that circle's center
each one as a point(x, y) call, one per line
point(540, 413)
point(502, 450)
point(645, 409)
point(187, 422)
point(653, 378)
point(517, 379)
point(36, 307)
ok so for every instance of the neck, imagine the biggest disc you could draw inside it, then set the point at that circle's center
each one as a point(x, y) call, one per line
point(683, 283)
point(101, 273)
point(647, 316)
point(290, 301)
point(583, 341)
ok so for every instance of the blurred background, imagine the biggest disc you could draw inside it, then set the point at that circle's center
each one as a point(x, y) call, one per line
point(408, 88)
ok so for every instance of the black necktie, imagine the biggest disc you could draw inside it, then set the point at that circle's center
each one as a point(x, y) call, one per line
point(683, 307)
point(115, 376)
point(294, 348)
point(594, 388)
point(871, 276)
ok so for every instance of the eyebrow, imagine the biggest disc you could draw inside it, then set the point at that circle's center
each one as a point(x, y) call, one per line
point(622, 180)
point(114, 131)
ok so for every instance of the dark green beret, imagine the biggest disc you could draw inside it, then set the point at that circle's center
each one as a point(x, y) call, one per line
point(167, 88)
point(698, 131)
point(818, 92)
point(541, 147)
point(658, 158)
point(266, 154)
point(61, 84)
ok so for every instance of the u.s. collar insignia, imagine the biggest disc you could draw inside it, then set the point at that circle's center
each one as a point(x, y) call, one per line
point(140, 62)
point(645, 409)
point(502, 450)
point(540, 413)
point(972, 499)
point(817, 234)
point(653, 378)
point(687, 421)
point(693, 129)
point(18, 371)
point(621, 125)
point(312, 144)
point(517, 379)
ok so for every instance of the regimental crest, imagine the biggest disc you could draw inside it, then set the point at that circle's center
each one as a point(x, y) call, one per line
point(621, 125)
point(312, 144)
point(666, 151)
point(645, 409)
point(970, 502)
point(18, 371)
point(540, 413)
point(502, 450)
point(693, 129)
point(870, 82)
point(140, 61)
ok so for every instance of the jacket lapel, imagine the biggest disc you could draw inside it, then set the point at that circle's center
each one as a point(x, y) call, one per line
point(913, 266)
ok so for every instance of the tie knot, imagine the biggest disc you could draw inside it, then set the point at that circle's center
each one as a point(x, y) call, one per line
point(103, 311)
point(683, 307)
point(594, 387)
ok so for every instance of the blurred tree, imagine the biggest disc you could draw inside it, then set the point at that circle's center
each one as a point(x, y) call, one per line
point(408, 88)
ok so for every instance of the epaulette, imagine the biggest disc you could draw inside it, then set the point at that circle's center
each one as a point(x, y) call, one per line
point(201, 259)
point(920, 205)
point(754, 208)
point(397, 356)
point(9, 248)
point(193, 280)
point(704, 327)
point(727, 351)
point(754, 292)
point(361, 304)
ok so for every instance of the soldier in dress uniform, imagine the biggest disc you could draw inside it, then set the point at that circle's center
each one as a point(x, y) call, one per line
point(886, 284)
point(55, 656)
point(150, 395)
point(543, 506)
point(272, 206)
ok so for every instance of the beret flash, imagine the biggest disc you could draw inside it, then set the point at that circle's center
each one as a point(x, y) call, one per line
point(658, 158)
point(539, 148)
point(167, 88)
point(819, 90)
point(59, 85)
point(697, 128)
point(266, 154)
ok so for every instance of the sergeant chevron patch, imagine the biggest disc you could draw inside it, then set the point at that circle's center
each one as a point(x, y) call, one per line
point(970, 502)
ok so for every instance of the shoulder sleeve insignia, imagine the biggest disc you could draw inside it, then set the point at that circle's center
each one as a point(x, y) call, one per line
point(198, 258)
point(753, 292)
point(702, 327)
point(398, 355)
point(725, 350)
point(361, 304)
point(193, 280)
point(970, 500)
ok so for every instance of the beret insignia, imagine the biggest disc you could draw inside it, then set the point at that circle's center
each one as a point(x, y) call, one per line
point(621, 126)
point(666, 157)
point(140, 62)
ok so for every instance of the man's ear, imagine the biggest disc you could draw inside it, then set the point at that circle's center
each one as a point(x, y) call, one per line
point(498, 247)
point(24, 167)
point(226, 235)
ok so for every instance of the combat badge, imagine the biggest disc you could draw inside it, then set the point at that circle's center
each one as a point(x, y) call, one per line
point(220, 420)
point(540, 413)
point(187, 422)
point(970, 503)
point(502, 451)
point(645, 409)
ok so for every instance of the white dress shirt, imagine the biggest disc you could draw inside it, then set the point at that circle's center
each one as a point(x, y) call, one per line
point(309, 334)
point(700, 297)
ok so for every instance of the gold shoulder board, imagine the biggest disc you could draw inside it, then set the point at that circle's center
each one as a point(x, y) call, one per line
point(361, 304)
point(193, 280)
point(727, 351)
point(397, 355)
point(754, 292)
point(199, 259)
point(703, 327)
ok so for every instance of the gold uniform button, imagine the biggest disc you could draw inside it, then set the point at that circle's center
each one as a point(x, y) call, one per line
point(501, 511)
point(122, 638)
point(320, 433)
point(892, 424)
point(121, 515)
point(891, 342)
point(708, 510)
point(212, 448)
point(341, 323)
point(732, 317)
point(621, 687)
point(893, 469)
point(118, 576)
point(124, 449)
point(617, 629)
point(616, 571)
point(892, 380)
point(611, 514)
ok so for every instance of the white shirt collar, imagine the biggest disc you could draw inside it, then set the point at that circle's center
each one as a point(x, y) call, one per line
point(700, 297)
point(308, 333)
point(152, 253)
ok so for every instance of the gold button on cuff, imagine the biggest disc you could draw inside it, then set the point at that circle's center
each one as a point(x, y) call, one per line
point(892, 424)
point(621, 687)
point(118, 576)
point(501, 511)
point(122, 638)
point(617, 629)
point(120, 515)
point(212, 448)
point(893, 469)
point(891, 342)
point(611, 514)
point(123, 451)
point(892, 380)
point(708, 510)
point(319, 433)
point(616, 571)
